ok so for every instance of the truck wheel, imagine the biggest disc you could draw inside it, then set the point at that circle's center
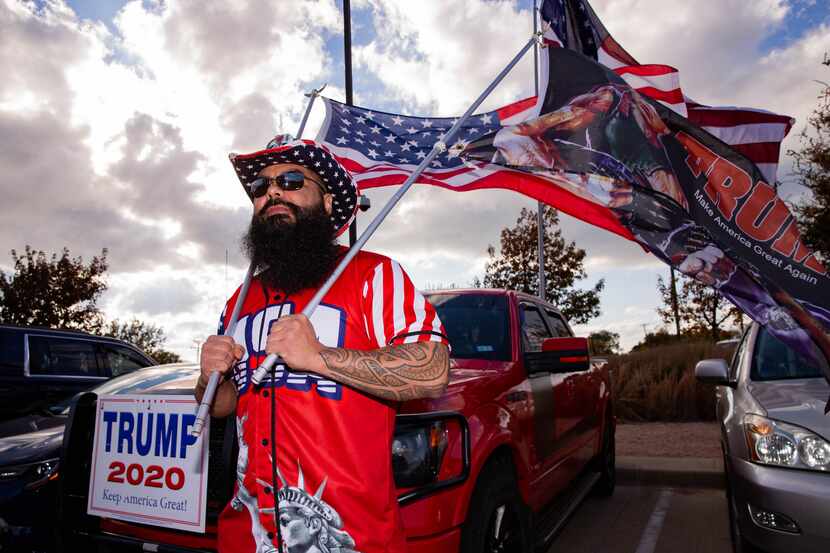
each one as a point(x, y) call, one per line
point(497, 520)
point(606, 463)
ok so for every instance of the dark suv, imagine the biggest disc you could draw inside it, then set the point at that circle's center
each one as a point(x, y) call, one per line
point(39, 366)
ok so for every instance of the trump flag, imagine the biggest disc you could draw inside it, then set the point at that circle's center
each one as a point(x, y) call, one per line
point(680, 192)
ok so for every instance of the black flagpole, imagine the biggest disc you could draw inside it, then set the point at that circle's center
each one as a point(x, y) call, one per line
point(347, 56)
point(540, 207)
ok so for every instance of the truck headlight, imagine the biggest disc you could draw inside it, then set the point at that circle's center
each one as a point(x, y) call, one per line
point(417, 452)
point(780, 444)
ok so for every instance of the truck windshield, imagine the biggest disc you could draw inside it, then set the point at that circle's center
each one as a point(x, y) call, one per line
point(476, 324)
point(774, 360)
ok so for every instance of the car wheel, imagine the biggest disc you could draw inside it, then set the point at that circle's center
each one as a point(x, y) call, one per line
point(739, 543)
point(606, 463)
point(498, 521)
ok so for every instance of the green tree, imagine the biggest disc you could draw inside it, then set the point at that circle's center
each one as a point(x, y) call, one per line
point(604, 342)
point(812, 165)
point(56, 292)
point(701, 309)
point(147, 337)
point(516, 267)
point(163, 357)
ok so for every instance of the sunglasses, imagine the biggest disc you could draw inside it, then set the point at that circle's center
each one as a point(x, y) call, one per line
point(289, 181)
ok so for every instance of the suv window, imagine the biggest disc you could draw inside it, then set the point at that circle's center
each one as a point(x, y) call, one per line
point(557, 324)
point(52, 356)
point(11, 352)
point(120, 360)
point(774, 360)
point(534, 329)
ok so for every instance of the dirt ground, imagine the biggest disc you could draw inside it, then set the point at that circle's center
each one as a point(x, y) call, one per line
point(674, 439)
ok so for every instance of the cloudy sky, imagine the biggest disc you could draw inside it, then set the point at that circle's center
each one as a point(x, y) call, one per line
point(116, 119)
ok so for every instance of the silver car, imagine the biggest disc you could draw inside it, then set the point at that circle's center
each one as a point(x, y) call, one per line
point(776, 445)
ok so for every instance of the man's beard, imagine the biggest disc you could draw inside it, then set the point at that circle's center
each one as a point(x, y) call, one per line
point(292, 256)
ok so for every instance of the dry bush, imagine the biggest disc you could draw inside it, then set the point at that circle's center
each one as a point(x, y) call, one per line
point(659, 384)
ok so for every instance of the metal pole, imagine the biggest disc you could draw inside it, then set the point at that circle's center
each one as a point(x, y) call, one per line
point(353, 232)
point(535, 52)
point(347, 49)
point(540, 207)
point(215, 376)
point(347, 57)
point(674, 307)
point(540, 245)
point(439, 147)
point(311, 97)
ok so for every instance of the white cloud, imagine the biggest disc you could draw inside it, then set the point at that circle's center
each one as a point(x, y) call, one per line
point(120, 140)
point(437, 57)
point(118, 137)
point(229, 75)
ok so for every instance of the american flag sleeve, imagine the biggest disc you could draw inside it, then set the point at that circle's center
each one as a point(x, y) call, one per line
point(394, 311)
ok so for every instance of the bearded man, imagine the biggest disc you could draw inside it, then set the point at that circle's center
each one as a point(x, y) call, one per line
point(329, 407)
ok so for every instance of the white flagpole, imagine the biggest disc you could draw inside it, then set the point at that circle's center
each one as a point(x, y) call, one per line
point(540, 207)
point(213, 382)
point(439, 147)
point(311, 97)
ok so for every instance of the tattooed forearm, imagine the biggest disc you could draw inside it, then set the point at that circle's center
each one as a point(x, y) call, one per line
point(396, 373)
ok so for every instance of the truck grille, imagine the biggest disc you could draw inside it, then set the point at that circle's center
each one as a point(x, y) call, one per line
point(221, 466)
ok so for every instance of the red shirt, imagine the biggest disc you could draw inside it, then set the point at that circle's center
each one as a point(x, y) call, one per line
point(333, 443)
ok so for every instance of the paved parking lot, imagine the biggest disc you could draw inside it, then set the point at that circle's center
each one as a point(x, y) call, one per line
point(648, 519)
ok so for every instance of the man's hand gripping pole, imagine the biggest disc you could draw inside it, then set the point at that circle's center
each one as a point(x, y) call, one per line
point(216, 376)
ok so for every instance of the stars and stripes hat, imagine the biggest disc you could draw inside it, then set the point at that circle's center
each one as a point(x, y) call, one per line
point(284, 148)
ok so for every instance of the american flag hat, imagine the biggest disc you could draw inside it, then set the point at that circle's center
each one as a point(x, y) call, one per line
point(284, 148)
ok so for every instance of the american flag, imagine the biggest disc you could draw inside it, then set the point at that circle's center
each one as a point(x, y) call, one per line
point(589, 36)
point(757, 134)
point(382, 149)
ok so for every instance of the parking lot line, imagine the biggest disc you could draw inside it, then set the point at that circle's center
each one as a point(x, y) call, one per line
point(695, 521)
point(651, 533)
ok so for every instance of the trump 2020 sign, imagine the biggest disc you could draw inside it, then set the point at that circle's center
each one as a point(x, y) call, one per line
point(146, 467)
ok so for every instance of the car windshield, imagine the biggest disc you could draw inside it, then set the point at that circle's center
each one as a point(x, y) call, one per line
point(774, 360)
point(476, 324)
point(143, 381)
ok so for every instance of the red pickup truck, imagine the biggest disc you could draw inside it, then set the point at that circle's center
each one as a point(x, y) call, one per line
point(524, 431)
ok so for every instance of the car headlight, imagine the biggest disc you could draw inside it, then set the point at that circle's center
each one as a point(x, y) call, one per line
point(781, 444)
point(31, 475)
point(417, 452)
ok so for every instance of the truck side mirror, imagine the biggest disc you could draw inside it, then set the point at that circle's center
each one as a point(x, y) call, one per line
point(712, 371)
point(567, 354)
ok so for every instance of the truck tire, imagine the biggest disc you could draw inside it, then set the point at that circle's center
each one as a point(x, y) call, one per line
point(498, 521)
point(606, 463)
